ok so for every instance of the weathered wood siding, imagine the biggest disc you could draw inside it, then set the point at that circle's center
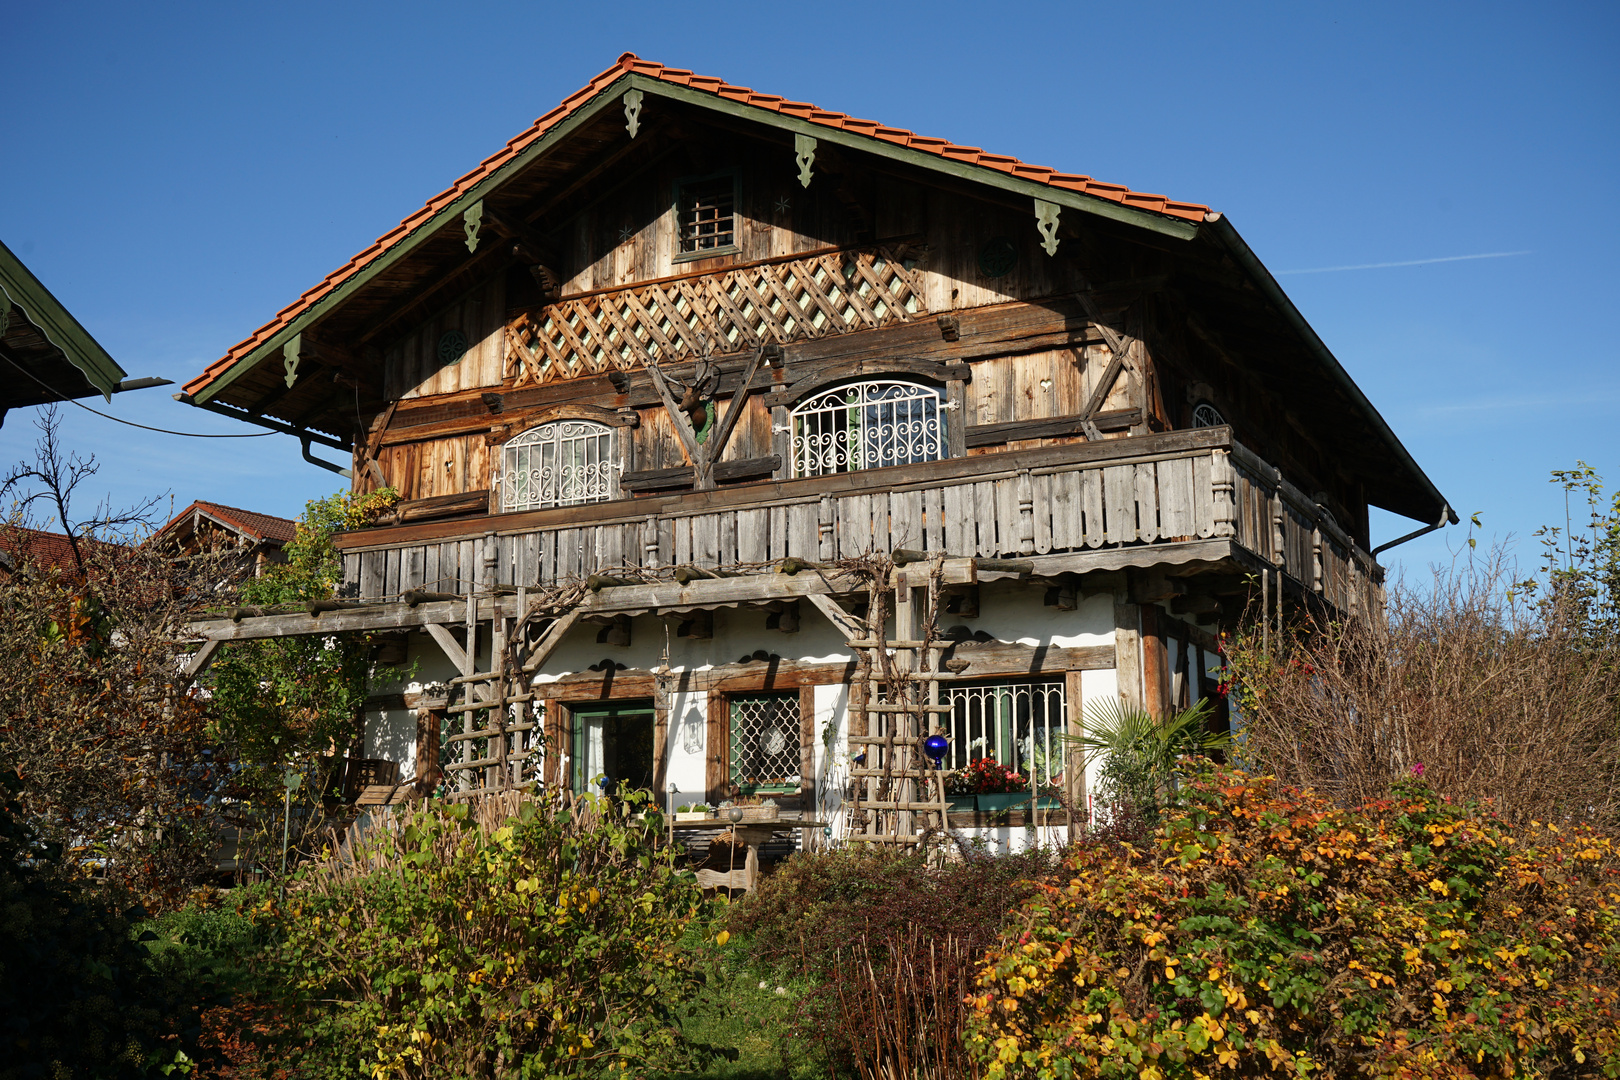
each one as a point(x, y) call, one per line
point(1124, 500)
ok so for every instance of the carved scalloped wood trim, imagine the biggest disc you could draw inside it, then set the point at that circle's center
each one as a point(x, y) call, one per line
point(930, 371)
point(552, 413)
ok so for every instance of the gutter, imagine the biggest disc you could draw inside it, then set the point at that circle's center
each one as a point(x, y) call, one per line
point(1446, 513)
point(1235, 245)
point(304, 435)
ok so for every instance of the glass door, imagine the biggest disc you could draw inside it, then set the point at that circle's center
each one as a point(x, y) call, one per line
point(613, 743)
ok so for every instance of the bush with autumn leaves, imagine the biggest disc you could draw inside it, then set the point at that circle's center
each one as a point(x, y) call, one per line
point(1265, 931)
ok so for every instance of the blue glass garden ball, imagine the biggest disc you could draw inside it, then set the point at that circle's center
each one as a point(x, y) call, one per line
point(936, 745)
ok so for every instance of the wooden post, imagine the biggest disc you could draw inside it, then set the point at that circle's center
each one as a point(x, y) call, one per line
point(717, 779)
point(429, 724)
point(1074, 764)
point(1128, 651)
point(1155, 664)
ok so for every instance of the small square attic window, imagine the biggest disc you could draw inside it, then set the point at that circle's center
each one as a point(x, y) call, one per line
point(706, 211)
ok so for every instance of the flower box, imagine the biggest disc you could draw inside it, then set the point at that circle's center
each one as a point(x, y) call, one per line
point(963, 802)
point(1001, 801)
point(693, 815)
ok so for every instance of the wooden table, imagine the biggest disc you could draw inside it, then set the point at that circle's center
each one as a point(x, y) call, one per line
point(750, 833)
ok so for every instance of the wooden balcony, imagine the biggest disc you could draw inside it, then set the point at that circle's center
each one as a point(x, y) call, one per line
point(1180, 498)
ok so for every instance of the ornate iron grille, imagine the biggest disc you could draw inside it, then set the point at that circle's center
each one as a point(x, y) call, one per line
point(562, 463)
point(1020, 725)
point(765, 741)
point(707, 215)
point(866, 425)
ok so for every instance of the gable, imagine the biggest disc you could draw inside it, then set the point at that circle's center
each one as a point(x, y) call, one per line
point(458, 301)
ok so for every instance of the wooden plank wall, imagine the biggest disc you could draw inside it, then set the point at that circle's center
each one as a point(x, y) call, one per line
point(627, 236)
point(411, 365)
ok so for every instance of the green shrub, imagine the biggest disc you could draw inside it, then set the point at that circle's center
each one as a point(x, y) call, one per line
point(1268, 932)
point(80, 995)
point(545, 944)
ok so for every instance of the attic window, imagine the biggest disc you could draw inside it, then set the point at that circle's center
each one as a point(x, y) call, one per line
point(1207, 415)
point(707, 213)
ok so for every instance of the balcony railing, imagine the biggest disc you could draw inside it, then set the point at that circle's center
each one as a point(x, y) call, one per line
point(1177, 497)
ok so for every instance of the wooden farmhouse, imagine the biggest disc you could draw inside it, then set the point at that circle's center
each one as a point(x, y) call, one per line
point(741, 444)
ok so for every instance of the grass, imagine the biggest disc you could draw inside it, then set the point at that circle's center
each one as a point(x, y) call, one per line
point(740, 1012)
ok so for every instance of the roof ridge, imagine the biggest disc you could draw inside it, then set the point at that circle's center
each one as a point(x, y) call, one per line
point(630, 63)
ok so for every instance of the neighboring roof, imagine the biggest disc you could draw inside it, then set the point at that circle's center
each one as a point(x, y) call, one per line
point(45, 549)
point(40, 335)
point(263, 528)
point(630, 64)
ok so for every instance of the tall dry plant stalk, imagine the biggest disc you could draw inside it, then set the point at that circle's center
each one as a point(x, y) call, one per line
point(900, 1010)
point(1485, 695)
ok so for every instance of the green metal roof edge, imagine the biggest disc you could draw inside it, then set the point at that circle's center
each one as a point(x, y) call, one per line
point(20, 287)
point(981, 174)
point(605, 97)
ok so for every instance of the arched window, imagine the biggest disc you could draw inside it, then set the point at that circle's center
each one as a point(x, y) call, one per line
point(1207, 415)
point(866, 425)
point(561, 463)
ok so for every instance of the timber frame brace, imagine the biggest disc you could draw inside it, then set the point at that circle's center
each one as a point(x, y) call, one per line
point(704, 453)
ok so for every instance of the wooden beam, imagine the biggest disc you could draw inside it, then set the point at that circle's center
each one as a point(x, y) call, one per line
point(549, 641)
point(447, 642)
point(1056, 427)
point(200, 660)
point(842, 621)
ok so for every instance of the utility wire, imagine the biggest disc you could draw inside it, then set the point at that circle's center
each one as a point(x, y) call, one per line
point(131, 423)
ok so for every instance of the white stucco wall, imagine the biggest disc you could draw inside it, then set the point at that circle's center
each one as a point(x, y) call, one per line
point(1009, 611)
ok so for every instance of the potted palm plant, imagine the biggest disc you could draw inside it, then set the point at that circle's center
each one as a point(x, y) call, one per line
point(1141, 753)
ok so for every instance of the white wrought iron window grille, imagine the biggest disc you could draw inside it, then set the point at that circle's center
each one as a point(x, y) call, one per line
point(867, 425)
point(1207, 415)
point(1019, 724)
point(765, 742)
point(563, 463)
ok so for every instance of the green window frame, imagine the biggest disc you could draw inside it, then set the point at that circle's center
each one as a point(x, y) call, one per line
point(706, 215)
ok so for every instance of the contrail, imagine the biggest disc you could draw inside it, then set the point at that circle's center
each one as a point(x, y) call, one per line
point(1408, 262)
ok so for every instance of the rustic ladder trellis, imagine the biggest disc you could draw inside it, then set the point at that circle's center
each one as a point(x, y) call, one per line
point(496, 706)
point(897, 795)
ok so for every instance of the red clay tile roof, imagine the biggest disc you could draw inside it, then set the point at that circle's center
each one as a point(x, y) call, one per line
point(43, 549)
point(630, 63)
point(278, 530)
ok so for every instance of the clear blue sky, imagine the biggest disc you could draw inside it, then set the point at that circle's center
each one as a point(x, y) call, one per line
point(178, 173)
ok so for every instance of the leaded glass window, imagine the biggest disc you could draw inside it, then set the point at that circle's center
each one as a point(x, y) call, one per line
point(765, 742)
point(563, 463)
point(866, 425)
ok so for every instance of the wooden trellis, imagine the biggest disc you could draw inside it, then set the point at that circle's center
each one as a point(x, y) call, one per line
point(660, 322)
point(896, 794)
point(500, 732)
